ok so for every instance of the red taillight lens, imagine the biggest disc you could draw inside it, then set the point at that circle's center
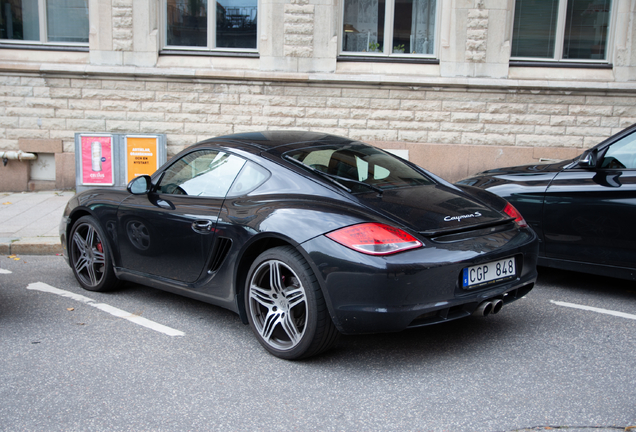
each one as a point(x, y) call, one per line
point(511, 211)
point(375, 239)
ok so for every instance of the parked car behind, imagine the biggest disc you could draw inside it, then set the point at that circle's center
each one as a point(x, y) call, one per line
point(582, 209)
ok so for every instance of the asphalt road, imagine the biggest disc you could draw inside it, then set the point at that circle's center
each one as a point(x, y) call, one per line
point(69, 364)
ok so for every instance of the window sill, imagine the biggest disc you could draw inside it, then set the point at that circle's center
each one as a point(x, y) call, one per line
point(384, 59)
point(73, 48)
point(209, 53)
point(551, 64)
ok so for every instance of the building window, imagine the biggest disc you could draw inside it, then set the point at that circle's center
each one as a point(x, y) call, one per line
point(389, 27)
point(565, 30)
point(44, 21)
point(187, 24)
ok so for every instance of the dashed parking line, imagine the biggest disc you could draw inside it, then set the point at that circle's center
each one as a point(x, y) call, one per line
point(40, 286)
point(593, 309)
point(4, 271)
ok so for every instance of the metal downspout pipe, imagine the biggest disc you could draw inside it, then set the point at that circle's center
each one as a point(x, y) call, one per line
point(16, 155)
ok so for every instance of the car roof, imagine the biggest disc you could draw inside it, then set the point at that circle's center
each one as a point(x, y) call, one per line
point(278, 142)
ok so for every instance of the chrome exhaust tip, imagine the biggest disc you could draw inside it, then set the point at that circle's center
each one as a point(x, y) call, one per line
point(484, 309)
point(497, 304)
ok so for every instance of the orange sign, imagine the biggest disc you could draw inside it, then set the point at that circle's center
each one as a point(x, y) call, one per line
point(141, 156)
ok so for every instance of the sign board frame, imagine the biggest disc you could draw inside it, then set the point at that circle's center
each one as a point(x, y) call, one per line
point(96, 160)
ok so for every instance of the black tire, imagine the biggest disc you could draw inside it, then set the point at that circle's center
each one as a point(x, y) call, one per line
point(289, 318)
point(90, 257)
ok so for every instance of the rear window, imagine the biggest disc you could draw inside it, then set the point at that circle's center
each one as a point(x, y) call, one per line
point(360, 163)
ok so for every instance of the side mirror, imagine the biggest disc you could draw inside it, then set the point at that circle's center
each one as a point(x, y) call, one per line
point(589, 159)
point(140, 185)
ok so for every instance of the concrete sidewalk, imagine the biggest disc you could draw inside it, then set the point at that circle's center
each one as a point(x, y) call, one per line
point(29, 222)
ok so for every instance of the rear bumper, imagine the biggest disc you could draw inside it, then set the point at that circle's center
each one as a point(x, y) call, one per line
point(367, 294)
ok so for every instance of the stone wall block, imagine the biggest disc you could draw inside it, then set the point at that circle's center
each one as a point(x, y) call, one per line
point(86, 125)
point(165, 107)
point(391, 115)
point(220, 98)
point(589, 110)
point(435, 116)
point(120, 126)
point(314, 102)
point(562, 120)
point(352, 123)
point(374, 135)
point(421, 105)
point(16, 91)
point(378, 124)
point(301, 41)
point(464, 117)
point(30, 112)
point(461, 127)
point(145, 116)
point(316, 122)
point(416, 126)
point(283, 111)
point(117, 95)
point(475, 107)
point(444, 137)
point(252, 110)
point(161, 127)
point(507, 108)
point(298, 9)
point(175, 97)
point(106, 115)
point(199, 108)
point(329, 113)
point(488, 139)
point(547, 109)
point(189, 117)
point(530, 119)
point(593, 121)
point(550, 130)
point(299, 29)
point(589, 131)
point(413, 136)
point(494, 118)
point(508, 128)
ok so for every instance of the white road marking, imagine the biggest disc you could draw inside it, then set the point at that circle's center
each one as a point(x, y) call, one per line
point(593, 309)
point(40, 286)
point(3, 271)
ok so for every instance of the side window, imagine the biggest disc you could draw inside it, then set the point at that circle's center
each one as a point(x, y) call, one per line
point(621, 154)
point(204, 173)
point(250, 177)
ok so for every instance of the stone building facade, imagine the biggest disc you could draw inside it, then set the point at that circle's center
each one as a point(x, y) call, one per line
point(458, 95)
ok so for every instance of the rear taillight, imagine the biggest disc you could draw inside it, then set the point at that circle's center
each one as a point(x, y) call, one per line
point(511, 211)
point(375, 239)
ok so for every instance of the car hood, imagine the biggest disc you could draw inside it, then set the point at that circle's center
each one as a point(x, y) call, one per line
point(432, 209)
point(530, 169)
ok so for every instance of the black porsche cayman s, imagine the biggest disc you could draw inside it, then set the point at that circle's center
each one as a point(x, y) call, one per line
point(305, 235)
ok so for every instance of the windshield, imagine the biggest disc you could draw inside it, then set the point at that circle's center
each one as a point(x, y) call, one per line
point(360, 164)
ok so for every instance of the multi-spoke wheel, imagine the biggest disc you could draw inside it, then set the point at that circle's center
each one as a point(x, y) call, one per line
point(285, 306)
point(89, 256)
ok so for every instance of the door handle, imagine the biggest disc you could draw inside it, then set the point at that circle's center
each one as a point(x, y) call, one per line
point(202, 226)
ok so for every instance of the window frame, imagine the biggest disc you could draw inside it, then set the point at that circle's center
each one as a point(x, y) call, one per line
point(210, 48)
point(43, 29)
point(560, 35)
point(389, 16)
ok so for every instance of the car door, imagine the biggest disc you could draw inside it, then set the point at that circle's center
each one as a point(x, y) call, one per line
point(170, 233)
point(589, 213)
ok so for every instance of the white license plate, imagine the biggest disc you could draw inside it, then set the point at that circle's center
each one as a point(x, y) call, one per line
point(489, 272)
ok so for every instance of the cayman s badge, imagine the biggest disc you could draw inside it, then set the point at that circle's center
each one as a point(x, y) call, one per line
point(459, 218)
